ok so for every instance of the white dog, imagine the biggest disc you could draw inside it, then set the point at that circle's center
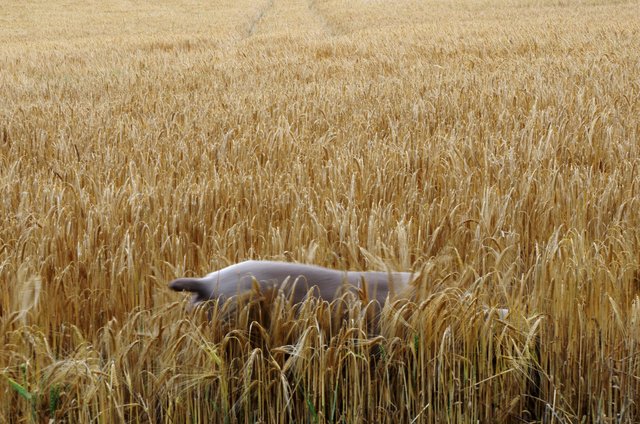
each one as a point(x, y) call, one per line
point(295, 280)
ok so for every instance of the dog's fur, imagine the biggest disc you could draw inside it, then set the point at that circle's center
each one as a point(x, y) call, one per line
point(295, 280)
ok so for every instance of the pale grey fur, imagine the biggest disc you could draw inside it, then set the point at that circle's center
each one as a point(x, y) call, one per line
point(294, 279)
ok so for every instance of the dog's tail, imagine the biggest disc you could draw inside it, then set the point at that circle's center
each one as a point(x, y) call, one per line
point(201, 290)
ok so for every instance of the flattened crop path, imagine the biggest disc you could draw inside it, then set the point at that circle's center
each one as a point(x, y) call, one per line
point(294, 17)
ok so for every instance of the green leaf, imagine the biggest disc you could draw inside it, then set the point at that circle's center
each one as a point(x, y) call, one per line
point(314, 414)
point(20, 389)
point(334, 402)
point(54, 399)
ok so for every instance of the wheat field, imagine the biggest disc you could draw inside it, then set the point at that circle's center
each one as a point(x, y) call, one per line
point(492, 146)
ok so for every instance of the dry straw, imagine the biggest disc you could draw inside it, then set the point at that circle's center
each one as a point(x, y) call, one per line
point(492, 146)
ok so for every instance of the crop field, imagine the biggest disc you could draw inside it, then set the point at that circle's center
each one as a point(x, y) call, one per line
point(490, 146)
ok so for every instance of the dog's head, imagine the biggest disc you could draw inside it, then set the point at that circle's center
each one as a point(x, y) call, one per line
point(201, 291)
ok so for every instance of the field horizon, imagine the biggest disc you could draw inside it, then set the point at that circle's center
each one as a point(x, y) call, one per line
point(490, 146)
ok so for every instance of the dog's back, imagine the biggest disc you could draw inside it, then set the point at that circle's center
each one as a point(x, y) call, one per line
point(294, 279)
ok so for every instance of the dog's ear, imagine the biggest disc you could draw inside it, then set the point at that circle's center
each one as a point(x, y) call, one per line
point(194, 285)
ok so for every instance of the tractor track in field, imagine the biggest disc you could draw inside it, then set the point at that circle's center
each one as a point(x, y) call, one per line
point(254, 23)
point(330, 30)
point(297, 17)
